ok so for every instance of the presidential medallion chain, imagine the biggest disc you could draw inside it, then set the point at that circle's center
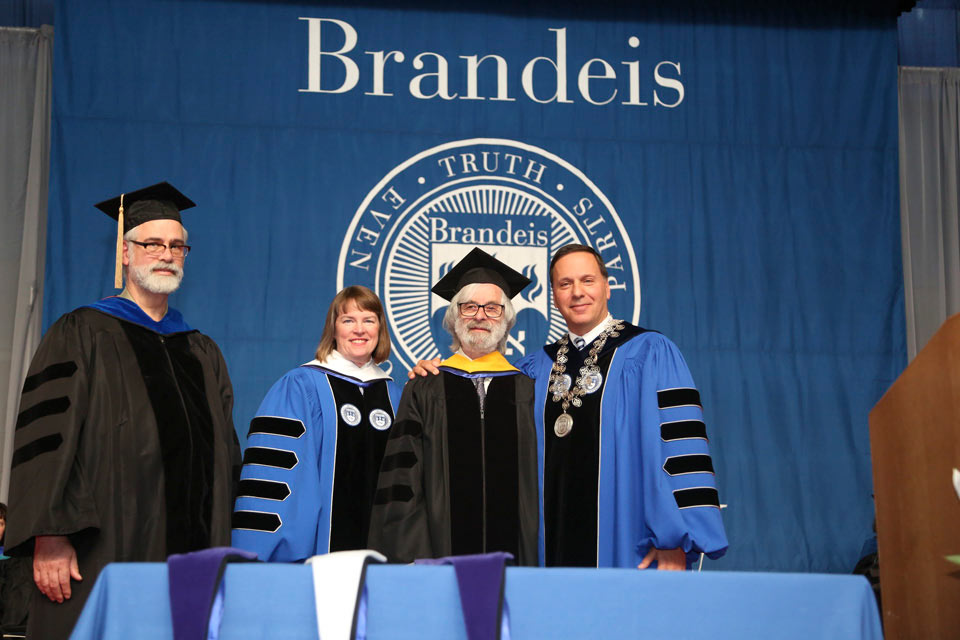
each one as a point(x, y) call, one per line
point(567, 394)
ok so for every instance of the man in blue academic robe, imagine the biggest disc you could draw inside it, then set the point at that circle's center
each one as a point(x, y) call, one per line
point(626, 474)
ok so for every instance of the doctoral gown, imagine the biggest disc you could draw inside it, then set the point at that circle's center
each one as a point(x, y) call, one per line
point(455, 480)
point(648, 481)
point(311, 463)
point(124, 443)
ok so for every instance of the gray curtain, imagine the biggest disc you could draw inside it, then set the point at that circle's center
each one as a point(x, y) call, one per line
point(26, 60)
point(929, 181)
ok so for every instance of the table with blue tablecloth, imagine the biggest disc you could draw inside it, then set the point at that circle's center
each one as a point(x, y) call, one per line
point(415, 602)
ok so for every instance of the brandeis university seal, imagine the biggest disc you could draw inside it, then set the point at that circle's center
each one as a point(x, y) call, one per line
point(517, 202)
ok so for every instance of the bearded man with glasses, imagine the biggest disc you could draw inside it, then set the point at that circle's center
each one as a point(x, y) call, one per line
point(459, 474)
point(124, 447)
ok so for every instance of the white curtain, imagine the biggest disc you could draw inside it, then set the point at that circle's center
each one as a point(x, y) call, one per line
point(929, 179)
point(26, 61)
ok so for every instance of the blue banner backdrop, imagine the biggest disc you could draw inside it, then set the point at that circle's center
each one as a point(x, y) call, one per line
point(739, 166)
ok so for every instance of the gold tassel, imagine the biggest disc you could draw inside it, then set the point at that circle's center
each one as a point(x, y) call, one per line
point(118, 272)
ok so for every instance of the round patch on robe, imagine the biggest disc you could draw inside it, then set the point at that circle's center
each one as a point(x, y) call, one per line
point(380, 420)
point(350, 414)
point(592, 382)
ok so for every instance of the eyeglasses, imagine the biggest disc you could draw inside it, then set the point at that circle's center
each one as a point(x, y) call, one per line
point(157, 248)
point(470, 309)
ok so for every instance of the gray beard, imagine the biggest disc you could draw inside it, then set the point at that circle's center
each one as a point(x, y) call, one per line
point(147, 280)
point(485, 342)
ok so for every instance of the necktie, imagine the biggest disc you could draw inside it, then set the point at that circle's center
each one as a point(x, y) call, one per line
point(481, 391)
point(579, 342)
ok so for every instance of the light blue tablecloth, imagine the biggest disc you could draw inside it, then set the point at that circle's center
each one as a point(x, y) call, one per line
point(415, 602)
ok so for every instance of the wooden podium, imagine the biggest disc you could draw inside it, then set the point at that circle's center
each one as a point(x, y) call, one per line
point(915, 444)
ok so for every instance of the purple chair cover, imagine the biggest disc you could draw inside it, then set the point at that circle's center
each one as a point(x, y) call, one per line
point(480, 579)
point(196, 590)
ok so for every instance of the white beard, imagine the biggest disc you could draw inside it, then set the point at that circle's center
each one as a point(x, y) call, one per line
point(147, 280)
point(483, 342)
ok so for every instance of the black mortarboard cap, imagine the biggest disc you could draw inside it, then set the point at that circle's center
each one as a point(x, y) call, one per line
point(161, 201)
point(480, 266)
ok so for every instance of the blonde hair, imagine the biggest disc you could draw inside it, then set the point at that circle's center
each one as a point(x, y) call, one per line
point(366, 300)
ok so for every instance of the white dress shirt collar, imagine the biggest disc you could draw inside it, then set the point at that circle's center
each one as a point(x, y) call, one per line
point(593, 333)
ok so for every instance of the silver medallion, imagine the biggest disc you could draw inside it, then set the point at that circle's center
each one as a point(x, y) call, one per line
point(563, 425)
point(563, 384)
point(380, 420)
point(350, 414)
point(592, 381)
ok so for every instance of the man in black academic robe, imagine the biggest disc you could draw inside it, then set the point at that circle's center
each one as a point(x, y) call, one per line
point(124, 447)
point(459, 474)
